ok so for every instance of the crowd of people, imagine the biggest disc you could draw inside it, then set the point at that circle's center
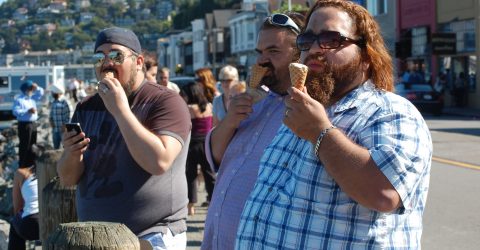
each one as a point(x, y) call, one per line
point(331, 165)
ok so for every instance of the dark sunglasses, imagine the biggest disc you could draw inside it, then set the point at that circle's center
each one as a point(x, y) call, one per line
point(283, 21)
point(226, 80)
point(117, 57)
point(326, 40)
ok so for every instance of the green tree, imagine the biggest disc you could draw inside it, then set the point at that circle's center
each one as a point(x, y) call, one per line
point(96, 25)
point(11, 45)
point(151, 27)
point(295, 7)
point(7, 9)
point(79, 38)
point(116, 10)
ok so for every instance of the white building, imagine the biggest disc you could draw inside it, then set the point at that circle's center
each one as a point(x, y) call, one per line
point(244, 28)
point(176, 50)
point(199, 40)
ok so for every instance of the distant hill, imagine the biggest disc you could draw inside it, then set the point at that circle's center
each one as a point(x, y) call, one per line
point(44, 24)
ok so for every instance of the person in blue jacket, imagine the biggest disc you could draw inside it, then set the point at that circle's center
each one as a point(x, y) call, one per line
point(25, 109)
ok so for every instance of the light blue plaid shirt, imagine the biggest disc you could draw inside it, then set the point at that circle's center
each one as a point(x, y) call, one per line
point(296, 204)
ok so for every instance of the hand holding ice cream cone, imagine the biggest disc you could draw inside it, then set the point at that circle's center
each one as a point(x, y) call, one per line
point(298, 74)
point(256, 76)
point(106, 74)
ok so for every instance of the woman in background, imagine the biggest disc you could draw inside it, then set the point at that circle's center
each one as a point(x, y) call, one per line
point(228, 77)
point(151, 66)
point(205, 77)
point(24, 224)
point(201, 114)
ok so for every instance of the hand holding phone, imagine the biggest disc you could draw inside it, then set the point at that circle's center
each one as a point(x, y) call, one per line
point(74, 127)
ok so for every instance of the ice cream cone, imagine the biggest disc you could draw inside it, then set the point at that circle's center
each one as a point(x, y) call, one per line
point(108, 74)
point(103, 75)
point(256, 75)
point(298, 74)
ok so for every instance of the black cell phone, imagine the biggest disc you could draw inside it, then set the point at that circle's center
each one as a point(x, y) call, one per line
point(73, 126)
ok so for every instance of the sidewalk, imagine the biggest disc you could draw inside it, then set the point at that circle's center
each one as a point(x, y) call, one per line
point(196, 222)
point(466, 112)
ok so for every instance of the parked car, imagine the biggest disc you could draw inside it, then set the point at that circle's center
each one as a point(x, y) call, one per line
point(181, 81)
point(422, 95)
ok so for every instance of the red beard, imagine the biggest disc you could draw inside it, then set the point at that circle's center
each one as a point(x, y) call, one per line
point(334, 79)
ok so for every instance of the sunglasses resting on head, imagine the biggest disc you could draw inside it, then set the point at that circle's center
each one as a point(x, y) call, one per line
point(283, 21)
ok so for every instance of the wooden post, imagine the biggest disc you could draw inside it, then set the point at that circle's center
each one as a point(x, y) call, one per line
point(46, 169)
point(92, 235)
point(58, 207)
point(56, 202)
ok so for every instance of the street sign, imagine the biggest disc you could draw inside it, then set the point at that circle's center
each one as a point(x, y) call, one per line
point(444, 43)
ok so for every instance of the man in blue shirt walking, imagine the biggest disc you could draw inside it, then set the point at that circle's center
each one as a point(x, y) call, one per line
point(25, 109)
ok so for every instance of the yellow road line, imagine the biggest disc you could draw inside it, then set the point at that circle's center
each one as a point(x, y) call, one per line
point(456, 163)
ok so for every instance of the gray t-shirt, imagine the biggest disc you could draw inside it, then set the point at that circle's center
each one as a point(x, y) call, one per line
point(114, 187)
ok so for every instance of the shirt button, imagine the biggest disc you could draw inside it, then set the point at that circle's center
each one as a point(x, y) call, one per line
point(270, 189)
point(223, 192)
point(268, 114)
point(216, 214)
point(256, 133)
point(285, 164)
point(255, 218)
point(234, 171)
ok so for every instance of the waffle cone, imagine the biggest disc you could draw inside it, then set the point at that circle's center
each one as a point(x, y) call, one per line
point(298, 74)
point(256, 75)
point(103, 75)
point(108, 74)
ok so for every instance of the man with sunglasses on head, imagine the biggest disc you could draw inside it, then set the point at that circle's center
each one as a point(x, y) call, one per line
point(236, 144)
point(350, 167)
point(129, 161)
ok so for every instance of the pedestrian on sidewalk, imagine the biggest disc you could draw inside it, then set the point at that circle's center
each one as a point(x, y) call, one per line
point(205, 77)
point(238, 142)
point(60, 113)
point(151, 65)
point(228, 78)
point(163, 78)
point(25, 109)
point(73, 85)
point(129, 161)
point(201, 115)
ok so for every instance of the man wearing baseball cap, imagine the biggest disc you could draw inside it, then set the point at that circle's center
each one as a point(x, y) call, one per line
point(129, 161)
point(25, 109)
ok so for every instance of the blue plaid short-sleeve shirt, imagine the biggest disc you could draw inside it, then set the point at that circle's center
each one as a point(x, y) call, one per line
point(296, 204)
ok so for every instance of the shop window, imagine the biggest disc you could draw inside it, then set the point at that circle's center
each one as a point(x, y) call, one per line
point(465, 31)
point(377, 7)
point(419, 41)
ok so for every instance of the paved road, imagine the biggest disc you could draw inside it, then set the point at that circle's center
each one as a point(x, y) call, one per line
point(196, 222)
point(451, 214)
